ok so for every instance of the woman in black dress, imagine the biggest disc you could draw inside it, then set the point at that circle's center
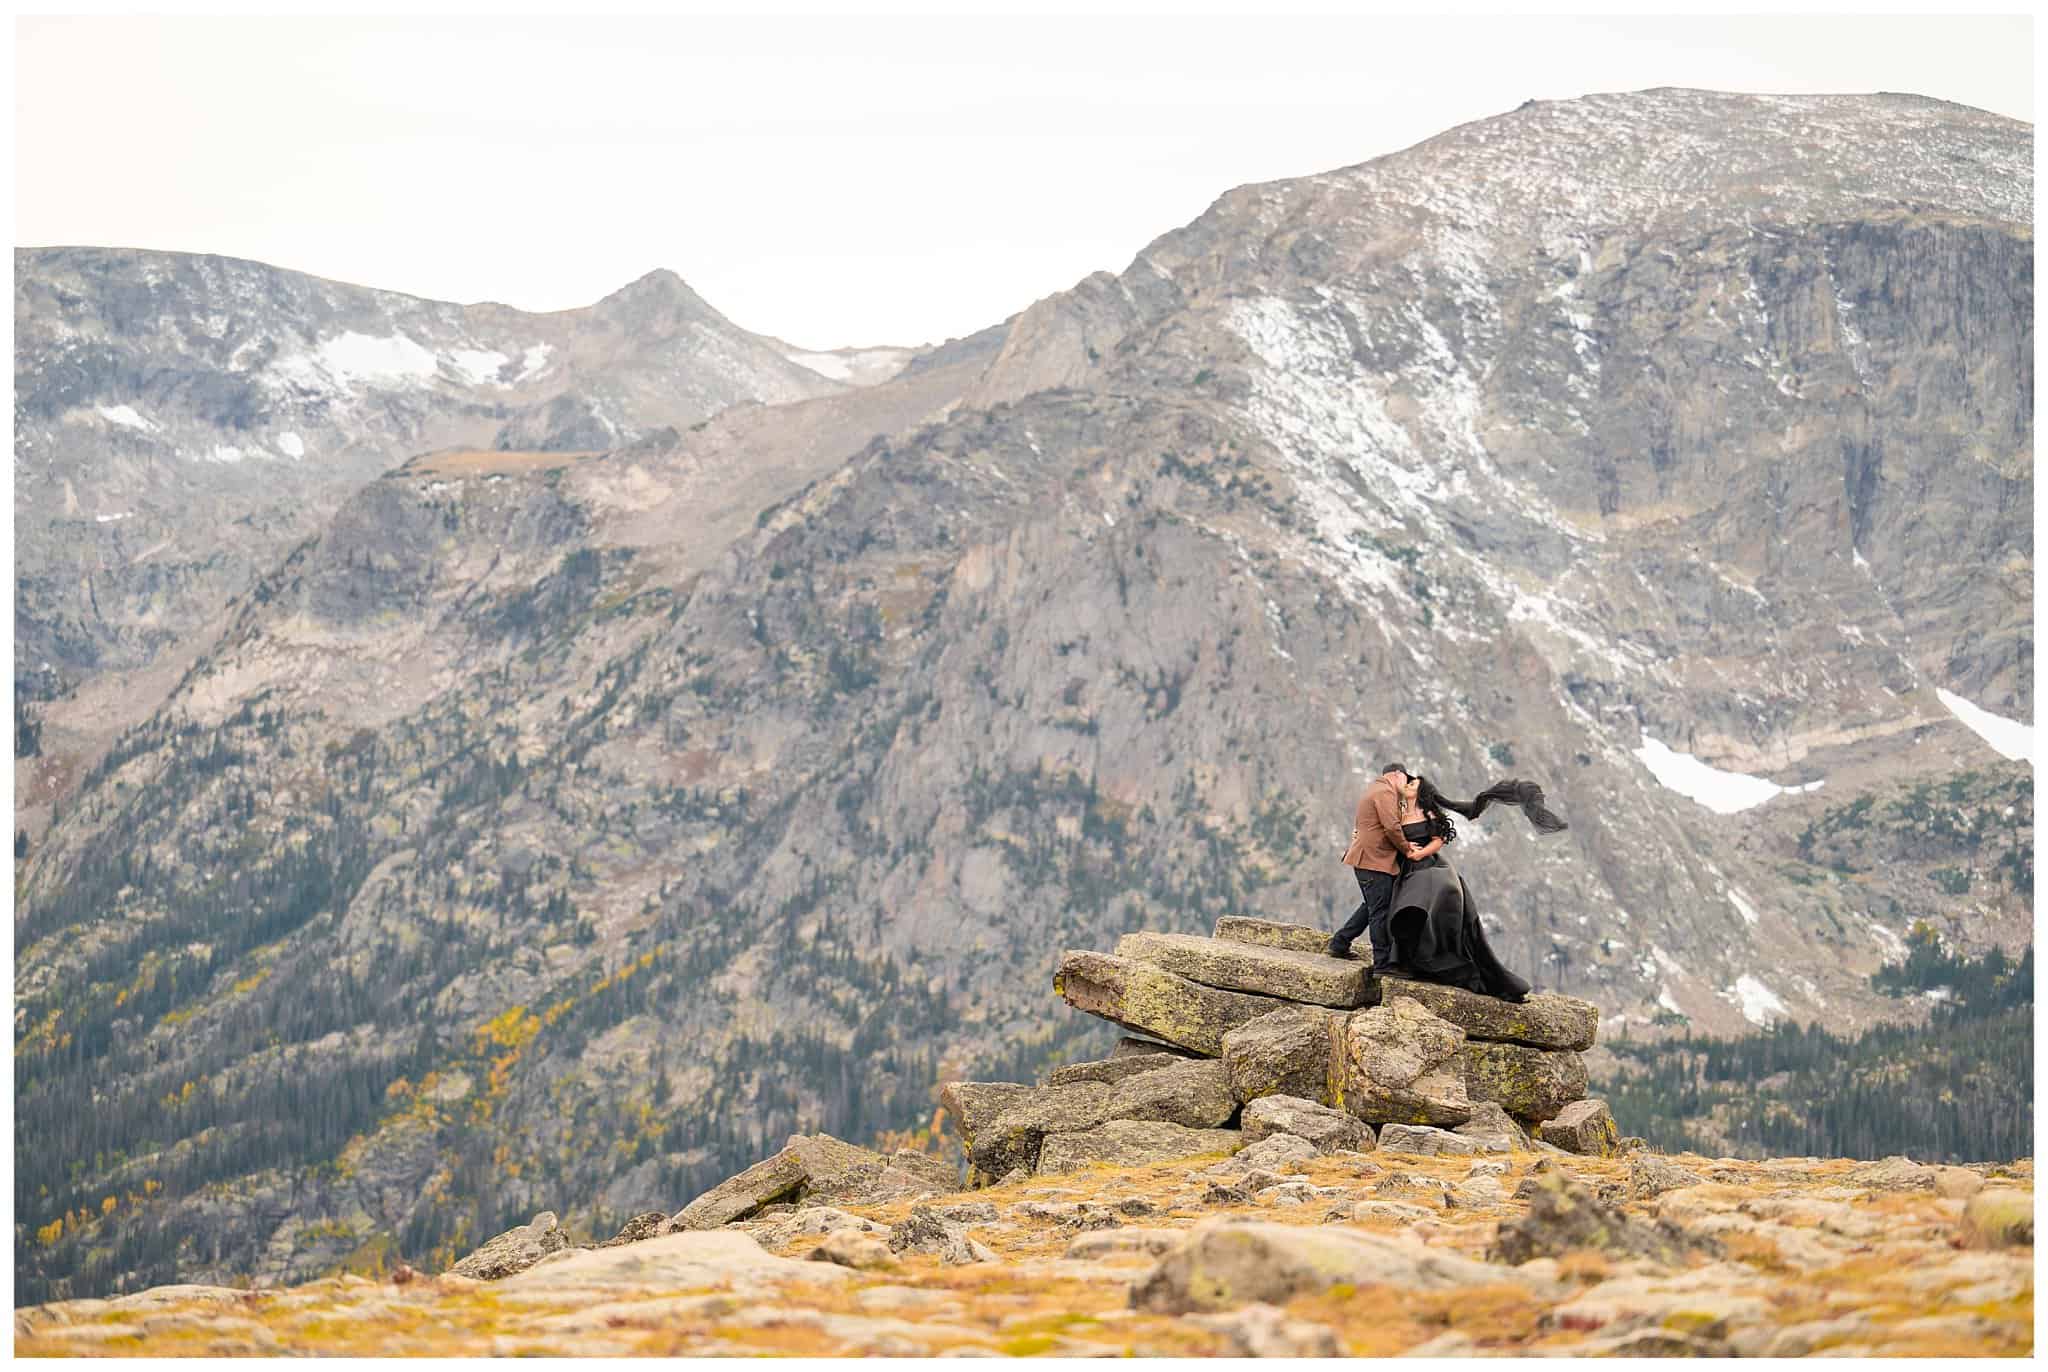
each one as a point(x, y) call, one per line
point(1433, 921)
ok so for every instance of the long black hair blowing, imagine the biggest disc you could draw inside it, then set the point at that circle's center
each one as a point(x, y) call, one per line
point(1526, 795)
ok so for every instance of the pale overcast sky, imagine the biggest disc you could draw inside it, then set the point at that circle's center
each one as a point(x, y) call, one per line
point(831, 181)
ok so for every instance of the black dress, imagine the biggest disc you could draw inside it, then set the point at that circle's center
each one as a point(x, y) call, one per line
point(1435, 926)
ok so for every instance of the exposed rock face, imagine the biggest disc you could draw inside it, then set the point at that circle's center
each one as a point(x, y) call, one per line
point(1129, 1143)
point(1404, 1067)
point(1529, 1083)
point(1012, 1139)
point(1194, 1094)
point(1289, 1052)
point(1155, 1001)
point(975, 1104)
point(515, 1250)
point(1285, 974)
point(1329, 1130)
point(1584, 1126)
point(1544, 1020)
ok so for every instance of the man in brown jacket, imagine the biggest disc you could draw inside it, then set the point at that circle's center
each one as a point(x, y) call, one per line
point(1375, 839)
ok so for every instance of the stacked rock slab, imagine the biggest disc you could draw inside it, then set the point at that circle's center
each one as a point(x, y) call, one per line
point(1287, 1019)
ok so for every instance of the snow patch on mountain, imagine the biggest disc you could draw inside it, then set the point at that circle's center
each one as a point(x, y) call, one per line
point(479, 366)
point(2008, 737)
point(1723, 792)
point(126, 417)
point(352, 361)
point(1742, 906)
point(824, 364)
point(1760, 1005)
point(291, 445)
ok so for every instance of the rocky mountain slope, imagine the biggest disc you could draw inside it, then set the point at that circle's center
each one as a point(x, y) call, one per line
point(181, 421)
point(573, 829)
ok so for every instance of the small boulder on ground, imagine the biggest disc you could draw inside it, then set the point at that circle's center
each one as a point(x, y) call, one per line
point(1650, 1176)
point(1584, 1127)
point(1331, 1131)
point(1494, 1129)
point(639, 1227)
point(927, 1231)
point(1421, 1138)
point(1895, 1173)
point(1564, 1215)
point(1275, 1153)
point(1402, 1067)
point(849, 1249)
point(515, 1250)
point(1261, 1331)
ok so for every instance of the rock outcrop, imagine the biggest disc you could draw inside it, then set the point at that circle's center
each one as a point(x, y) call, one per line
point(515, 1250)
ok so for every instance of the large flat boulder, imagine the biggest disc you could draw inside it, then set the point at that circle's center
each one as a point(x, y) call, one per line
point(1154, 1001)
point(1528, 1083)
point(1192, 1094)
point(1402, 1065)
point(1284, 973)
point(1111, 1070)
point(723, 1259)
point(1288, 1052)
point(1544, 1020)
point(1131, 1143)
point(1228, 1263)
point(1266, 933)
point(1013, 1138)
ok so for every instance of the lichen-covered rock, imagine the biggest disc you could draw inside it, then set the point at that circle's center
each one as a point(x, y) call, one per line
point(1895, 1173)
point(850, 1249)
point(1544, 1020)
point(1493, 1129)
point(1421, 1138)
point(1266, 933)
point(1194, 1094)
point(1564, 1215)
point(1277, 1153)
point(1329, 1130)
point(1152, 1000)
point(1529, 1083)
point(1228, 1262)
point(1283, 973)
point(1290, 1052)
point(1012, 1139)
point(1128, 1047)
point(1584, 1127)
point(515, 1250)
point(972, 1105)
point(1401, 1066)
point(1112, 1070)
point(1131, 1143)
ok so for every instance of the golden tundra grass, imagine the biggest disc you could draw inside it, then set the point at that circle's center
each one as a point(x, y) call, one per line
point(1029, 1304)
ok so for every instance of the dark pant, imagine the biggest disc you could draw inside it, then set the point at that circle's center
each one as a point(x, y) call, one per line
point(1377, 892)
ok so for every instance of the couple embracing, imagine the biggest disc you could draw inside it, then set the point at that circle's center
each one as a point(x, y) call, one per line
point(1414, 906)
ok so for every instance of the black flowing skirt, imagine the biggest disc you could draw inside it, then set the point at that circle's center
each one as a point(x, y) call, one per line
point(1437, 934)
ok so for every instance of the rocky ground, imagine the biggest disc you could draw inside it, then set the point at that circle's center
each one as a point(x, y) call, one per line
point(1293, 1254)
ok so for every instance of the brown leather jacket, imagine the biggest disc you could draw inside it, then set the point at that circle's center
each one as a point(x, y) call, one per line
point(1376, 832)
